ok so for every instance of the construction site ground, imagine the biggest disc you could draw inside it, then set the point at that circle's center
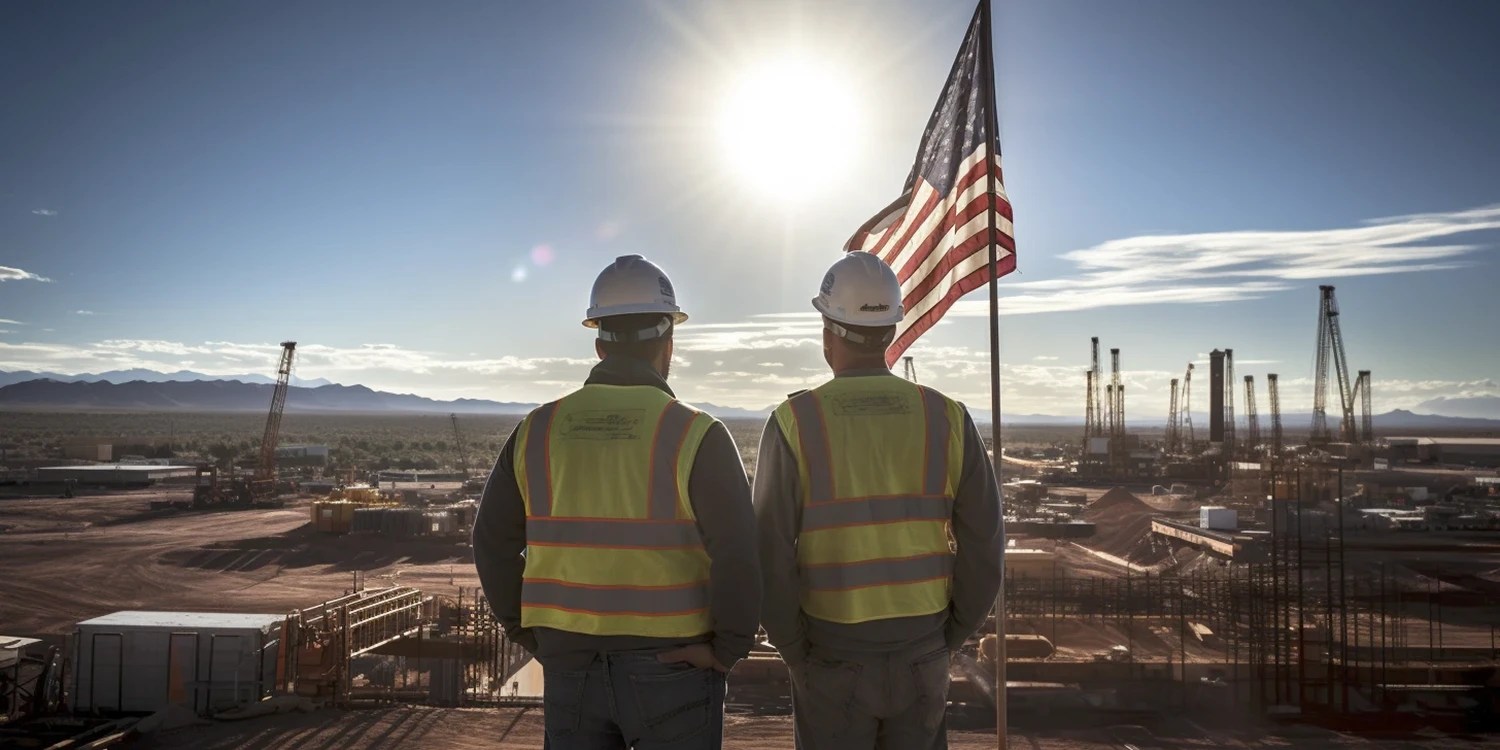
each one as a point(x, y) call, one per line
point(521, 729)
point(68, 560)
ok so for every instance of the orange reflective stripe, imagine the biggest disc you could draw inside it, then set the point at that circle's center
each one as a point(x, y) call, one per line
point(666, 451)
point(812, 437)
point(879, 572)
point(935, 467)
point(539, 460)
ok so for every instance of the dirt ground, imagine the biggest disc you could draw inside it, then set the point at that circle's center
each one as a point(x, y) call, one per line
point(68, 560)
point(521, 729)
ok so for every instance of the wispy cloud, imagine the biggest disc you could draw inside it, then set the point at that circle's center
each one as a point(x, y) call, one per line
point(15, 274)
point(9, 322)
point(45, 211)
point(84, 312)
point(1221, 267)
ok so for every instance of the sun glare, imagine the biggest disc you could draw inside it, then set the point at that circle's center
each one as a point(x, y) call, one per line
point(788, 127)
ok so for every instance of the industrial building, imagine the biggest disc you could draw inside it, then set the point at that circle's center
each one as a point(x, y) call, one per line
point(113, 475)
point(1446, 450)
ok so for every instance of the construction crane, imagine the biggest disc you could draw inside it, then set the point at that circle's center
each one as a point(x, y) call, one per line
point(1276, 442)
point(1172, 437)
point(458, 448)
point(1251, 418)
point(1088, 399)
point(911, 368)
point(1366, 420)
point(1095, 426)
point(1331, 347)
point(1187, 409)
point(1229, 425)
point(1117, 399)
point(264, 483)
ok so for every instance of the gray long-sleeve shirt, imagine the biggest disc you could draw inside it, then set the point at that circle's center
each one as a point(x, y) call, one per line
point(977, 529)
point(720, 497)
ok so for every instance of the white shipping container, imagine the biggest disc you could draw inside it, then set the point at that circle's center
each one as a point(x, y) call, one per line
point(1216, 518)
point(146, 661)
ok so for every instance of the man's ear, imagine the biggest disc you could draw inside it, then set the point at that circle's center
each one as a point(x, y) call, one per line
point(599, 348)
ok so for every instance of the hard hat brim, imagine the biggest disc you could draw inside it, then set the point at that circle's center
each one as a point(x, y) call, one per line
point(595, 315)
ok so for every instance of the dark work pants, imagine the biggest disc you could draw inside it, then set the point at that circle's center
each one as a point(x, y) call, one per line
point(627, 699)
point(863, 701)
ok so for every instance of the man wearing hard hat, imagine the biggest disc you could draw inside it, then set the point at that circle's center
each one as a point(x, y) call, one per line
point(879, 529)
point(612, 539)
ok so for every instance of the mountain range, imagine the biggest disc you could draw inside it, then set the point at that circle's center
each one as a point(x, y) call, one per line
point(81, 393)
point(149, 376)
point(148, 390)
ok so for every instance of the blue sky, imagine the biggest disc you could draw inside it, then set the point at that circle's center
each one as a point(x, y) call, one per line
point(422, 194)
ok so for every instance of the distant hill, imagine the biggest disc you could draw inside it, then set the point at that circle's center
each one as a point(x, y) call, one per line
point(1401, 419)
point(232, 395)
point(229, 395)
point(149, 376)
point(1482, 407)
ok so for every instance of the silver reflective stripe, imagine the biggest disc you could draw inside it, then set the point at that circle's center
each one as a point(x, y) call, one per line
point(615, 600)
point(538, 472)
point(870, 510)
point(613, 533)
point(939, 432)
point(812, 436)
point(671, 432)
point(840, 576)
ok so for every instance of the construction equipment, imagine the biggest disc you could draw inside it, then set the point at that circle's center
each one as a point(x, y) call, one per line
point(1187, 410)
point(1276, 438)
point(1331, 346)
point(209, 490)
point(1095, 422)
point(1229, 442)
point(911, 368)
point(1252, 419)
point(1172, 434)
point(1366, 420)
point(264, 484)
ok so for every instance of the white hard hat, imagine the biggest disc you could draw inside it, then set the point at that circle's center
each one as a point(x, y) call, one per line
point(860, 290)
point(630, 286)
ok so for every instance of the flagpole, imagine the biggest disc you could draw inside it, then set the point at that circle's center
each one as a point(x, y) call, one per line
point(992, 128)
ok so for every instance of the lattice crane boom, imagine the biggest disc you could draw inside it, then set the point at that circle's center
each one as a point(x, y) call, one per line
point(910, 366)
point(1187, 406)
point(265, 468)
point(1366, 419)
point(1172, 433)
point(1229, 425)
point(1252, 419)
point(1276, 436)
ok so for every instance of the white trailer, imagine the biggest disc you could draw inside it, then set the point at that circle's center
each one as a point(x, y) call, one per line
point(135, 661)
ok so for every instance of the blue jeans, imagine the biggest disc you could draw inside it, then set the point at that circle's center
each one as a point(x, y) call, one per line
point(627, 699)
point(880, 701)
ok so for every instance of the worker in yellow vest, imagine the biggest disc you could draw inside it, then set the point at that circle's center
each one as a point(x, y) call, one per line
point(613, 539)
point(879, 531)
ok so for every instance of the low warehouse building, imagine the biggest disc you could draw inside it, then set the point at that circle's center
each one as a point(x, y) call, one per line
point(118, 475)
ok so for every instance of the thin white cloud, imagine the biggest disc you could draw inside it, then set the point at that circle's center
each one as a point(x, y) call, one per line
point(1219, 267)
point(9, 322)
point(8, 273)
point(83, 312)
point(44, 211)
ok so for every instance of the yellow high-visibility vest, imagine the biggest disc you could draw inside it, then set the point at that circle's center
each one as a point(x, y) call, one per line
point(612, 545)
point(879, 461)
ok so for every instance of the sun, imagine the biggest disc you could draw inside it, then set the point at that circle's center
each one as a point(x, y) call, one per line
point(788, 127)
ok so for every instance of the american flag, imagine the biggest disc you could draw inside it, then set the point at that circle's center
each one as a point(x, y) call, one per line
point(937, 234)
